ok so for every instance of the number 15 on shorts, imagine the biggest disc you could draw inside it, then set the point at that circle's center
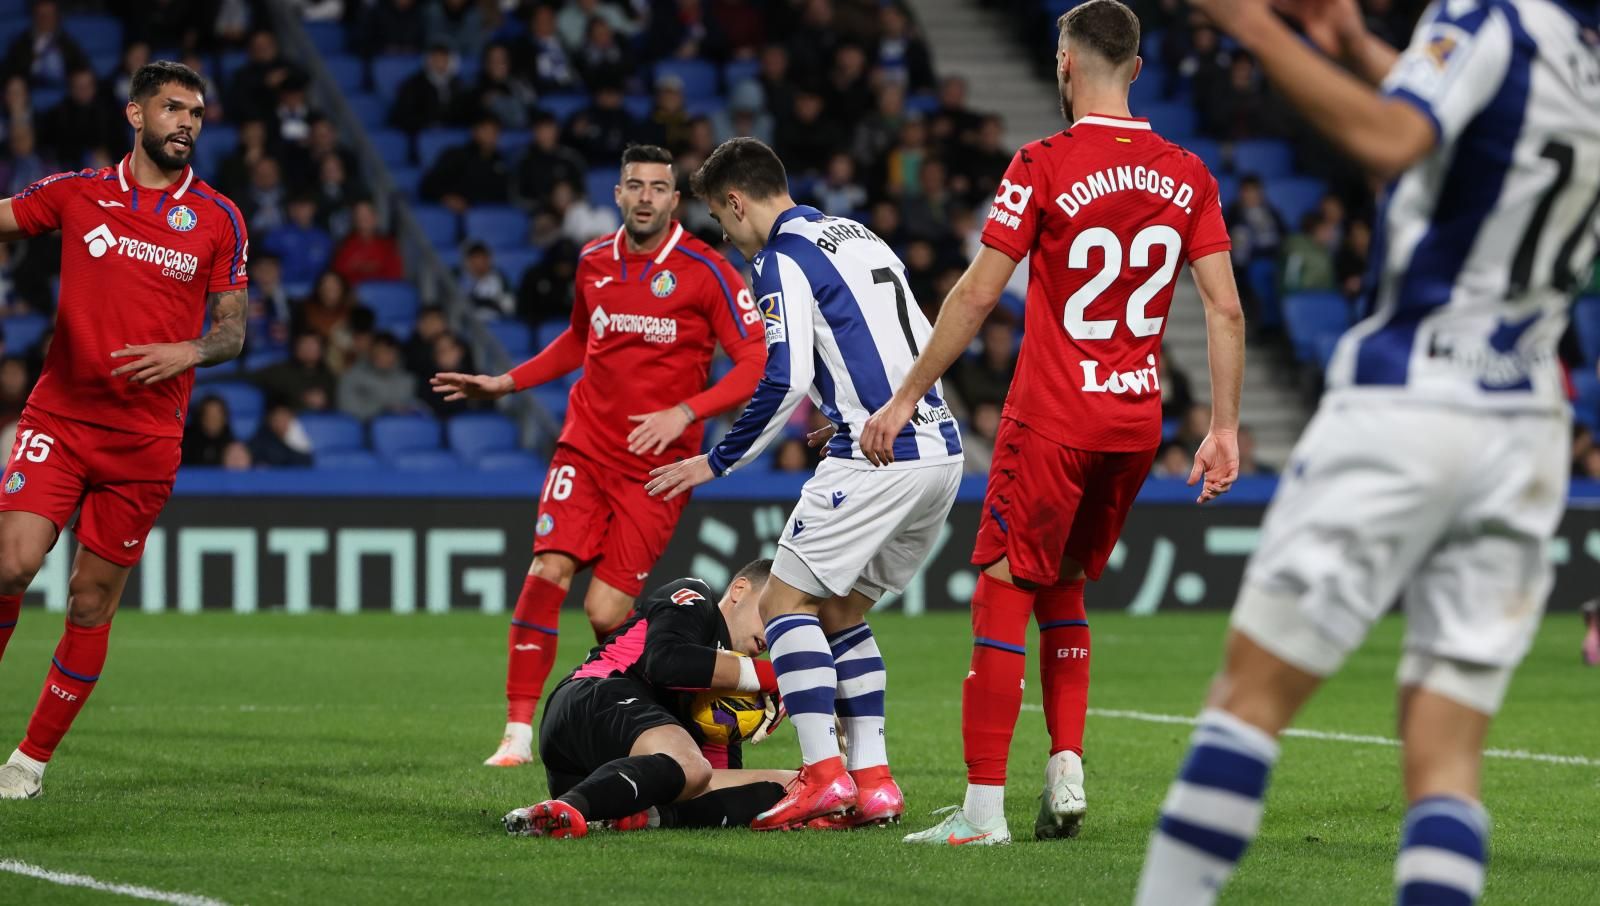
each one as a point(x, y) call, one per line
point(33, 446)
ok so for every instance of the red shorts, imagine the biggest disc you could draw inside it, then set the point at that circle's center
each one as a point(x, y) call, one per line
point(1046, 501)
point(595, 516)
point(121, 480)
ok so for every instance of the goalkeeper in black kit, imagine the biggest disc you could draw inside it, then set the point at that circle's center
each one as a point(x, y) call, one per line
point(619, 739)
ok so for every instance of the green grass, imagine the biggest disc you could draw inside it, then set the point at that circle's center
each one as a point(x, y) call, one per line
point(325, 759)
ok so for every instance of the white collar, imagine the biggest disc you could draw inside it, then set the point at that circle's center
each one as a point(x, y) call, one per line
point(183, 184)
point(1115, 122)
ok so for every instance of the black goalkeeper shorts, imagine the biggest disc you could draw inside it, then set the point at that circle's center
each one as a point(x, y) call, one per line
point(590, 721)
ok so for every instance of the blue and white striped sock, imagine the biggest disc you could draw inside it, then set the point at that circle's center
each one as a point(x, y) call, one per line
point(861, 683)
point(1442, 853)
point(806, 679)
point(1211, 813)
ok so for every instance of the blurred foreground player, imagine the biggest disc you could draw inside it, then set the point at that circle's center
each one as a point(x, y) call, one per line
point(652, 303)
point(147, 250)
point(615, 738)
point(1109, 212)
point(1436, 468)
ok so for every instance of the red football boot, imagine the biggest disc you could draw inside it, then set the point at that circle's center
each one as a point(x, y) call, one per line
point(635, 821)
point(878, 802)
point(552, 818)
point(820, 789)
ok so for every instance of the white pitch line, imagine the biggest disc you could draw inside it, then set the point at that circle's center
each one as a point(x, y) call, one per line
point(1331, 736)
point(127, 890)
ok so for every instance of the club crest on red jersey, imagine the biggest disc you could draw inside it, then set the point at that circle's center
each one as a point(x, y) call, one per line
point(663, 283)
point(15, 481)
point(545, 525)
point(182, 219)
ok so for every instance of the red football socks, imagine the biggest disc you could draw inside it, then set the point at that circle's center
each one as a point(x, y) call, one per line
point(1064, 663)
point(10, 608)
point(79, 658)
point(531, 646)
point(991, 697)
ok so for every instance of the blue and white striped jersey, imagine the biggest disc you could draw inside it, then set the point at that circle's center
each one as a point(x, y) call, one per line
point(842, 328)
point(1481, 247)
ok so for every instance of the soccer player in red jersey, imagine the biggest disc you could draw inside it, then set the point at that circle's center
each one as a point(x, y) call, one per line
point(652, 303)
point(147, 249)
point(1107, 212)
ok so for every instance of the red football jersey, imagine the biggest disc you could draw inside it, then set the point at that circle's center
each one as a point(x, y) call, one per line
point(1107, 211)
point(136, 267)
point(650, 324)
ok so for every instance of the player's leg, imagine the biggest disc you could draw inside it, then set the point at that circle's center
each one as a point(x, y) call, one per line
point(1591, 632)
point(44, 483)
point(606, 606)
point(1444, 843)
point(25, 540)
point(531, 651)
point(859, 703)
point(641, 527)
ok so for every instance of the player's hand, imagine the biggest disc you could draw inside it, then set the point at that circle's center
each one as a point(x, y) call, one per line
point(771, 720)
point(820, 437)
point(471, 386)
point(155, 362)
point(679, 477)
point(877, 437)
point(1333, 25)
point(1218, 460)
point(656, 430)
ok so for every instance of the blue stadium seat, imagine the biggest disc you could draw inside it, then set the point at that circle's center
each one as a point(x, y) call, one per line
point(22, 332)
point(547, 331)
point(368, 108)
point(1150, 88)
point(262, 358)
point(707, 106)
point(219, 142)
point(1310, 315)
point(327, 37)
point(739, 71)
point(925, 103)
point(330, 431)
point(99, 36)
point(427, 461)
point(563, 106)
point(1174, 121)
point(408, 181)
point(230, 62)
point(244, 402)
point(1228, 189)
point(1586, 408)
point(438, 223)
point(390, 70)
point(1323, 348)
point(44, 98)
point(347, 461)
point(1263, 277)
point(500, 226)
point(638, 106)
point(349, 72)
point(1585, 320)
point(514, 336)
point(396, 434)
point(1266, 158)
point(475, 433)
point(514, 144)
point(393, 146)
point(391, 301)
point(1204, 148)
point(516, 262)
point(1295, 196)
point(699, 77)
point(553, 398)
point(433, 142)
point(509, 461)
point(600, 184)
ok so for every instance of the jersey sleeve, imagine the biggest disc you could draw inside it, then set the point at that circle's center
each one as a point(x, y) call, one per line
point(680, 637)
point(1208, 232)
point(735, 327)
point(231, 258)
point(1013, 222)
point(38, 207)
point(1454, 66)
point(787, 306)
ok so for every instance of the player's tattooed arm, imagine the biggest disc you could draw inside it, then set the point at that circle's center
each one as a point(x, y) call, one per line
point(225, 339)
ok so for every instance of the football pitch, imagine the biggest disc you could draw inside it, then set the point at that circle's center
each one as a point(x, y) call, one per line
point(327, 759)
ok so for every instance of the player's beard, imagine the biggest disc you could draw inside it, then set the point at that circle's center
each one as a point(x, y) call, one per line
point(155, 147)
point(643, 236)
point(1066, 99)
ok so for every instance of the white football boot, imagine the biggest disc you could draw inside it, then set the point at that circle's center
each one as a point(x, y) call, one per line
point(1062, 804)
point(516, 747)
point(21, 777)
point(956, 830)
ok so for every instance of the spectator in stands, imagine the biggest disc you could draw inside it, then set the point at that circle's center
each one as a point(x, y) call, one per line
point(293, 112)
point(1582, 443)
point(18, 105)
point(263, 204)
point(457, 23)
point(544, 57)
point(236, 457)
point(304, 247)
point(1193, 426)
point(572, 23)
point(16, 382)
point(474, 173)
point(581, 219)
point(234, 18)
point(237, 169)
point(982, 164)
point(1237, 108)
point(1204, 67)
point(449, 354)
point(978, 444)
point(776, 88)
point(669, 120)
point(1248, 464)
point(839, 193)
point(269, 312)
point(366, 252)
point(484, 285)
point(809, 138)
point(281, 440)
point(433, 96)
point(418, 350)
point(44, 54)
point(792, 455)
point(744, 114)
point(958, 123)
point(848, 92)
point(813, 41)
point(601, 131)
point(333, 194)
point(1255, 227)
point(1177, 393)
point(546, 162)
point(922, 269)
point(323, 142)
point(682, 30)
point(377, 384)
point(886, 223)
point(926, 212)
point(24, 166)
point(82, 121)
point(600, 59)
point(1172, 461)
point(302, 381)
point(253, 93)
point(502, 91)
point(207, 434)
point(903, 55)
point(1350, 264)
point(397, 27)
point(135, 54)
point(904, 173)
point(545, 293)
point(743, 24)
point(986, 377)
point(1308, 256)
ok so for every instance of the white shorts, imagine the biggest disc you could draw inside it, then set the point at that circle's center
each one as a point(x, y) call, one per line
point(1448, 511)
point(866, 530)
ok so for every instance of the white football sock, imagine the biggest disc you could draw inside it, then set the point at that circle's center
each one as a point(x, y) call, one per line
point(985, 806)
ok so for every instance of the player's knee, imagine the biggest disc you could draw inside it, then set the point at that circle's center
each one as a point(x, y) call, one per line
point(555, 568)
point(696, 775)
point(90, 604)
point(16, 571)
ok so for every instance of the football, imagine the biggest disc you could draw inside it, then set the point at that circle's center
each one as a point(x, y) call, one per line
point(725, 716)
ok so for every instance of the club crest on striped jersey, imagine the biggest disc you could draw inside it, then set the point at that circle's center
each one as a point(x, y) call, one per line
point(182, 219)
point(663, 283)
point(15, 481)
point(771, 306)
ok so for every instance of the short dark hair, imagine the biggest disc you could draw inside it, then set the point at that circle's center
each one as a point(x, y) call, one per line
point(756, 571)
point(645, 154)
point(152, 76)
point(746, 164)
point(1108, 27)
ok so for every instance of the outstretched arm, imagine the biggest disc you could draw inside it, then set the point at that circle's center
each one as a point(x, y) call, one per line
point(1336, 28)
point(1218, 456)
